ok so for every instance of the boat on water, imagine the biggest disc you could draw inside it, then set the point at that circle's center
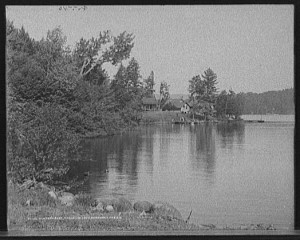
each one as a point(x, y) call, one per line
point(255, 121)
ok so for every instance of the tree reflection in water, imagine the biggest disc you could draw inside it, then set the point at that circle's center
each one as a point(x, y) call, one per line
point(202, 150)
point(110, 161)
point(231, 132)
point(124, 154)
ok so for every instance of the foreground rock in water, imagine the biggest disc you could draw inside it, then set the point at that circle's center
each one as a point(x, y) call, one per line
point(166, 210)
point(143, 206)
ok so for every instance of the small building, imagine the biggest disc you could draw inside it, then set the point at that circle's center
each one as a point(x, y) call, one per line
point(186, 107)
point(199, 107)
point(149, 103)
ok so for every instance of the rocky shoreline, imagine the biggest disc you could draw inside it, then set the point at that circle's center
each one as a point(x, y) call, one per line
point(40, 208)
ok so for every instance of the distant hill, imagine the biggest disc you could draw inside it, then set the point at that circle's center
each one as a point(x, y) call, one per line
point(271, 102)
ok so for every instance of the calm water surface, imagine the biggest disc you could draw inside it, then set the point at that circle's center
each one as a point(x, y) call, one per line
point(226, 173)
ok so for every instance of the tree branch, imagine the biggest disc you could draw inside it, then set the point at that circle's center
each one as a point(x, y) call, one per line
point(85, 64)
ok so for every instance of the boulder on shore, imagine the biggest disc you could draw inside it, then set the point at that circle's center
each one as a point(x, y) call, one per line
point(166, 210)
point(122, 205)
point(143, 206)
point(109, 208)
point(99, 207)
point(52, 194)
point(119, 205)
point(66, 198)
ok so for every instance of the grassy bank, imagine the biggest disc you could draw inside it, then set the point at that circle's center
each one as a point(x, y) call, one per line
point(35, 210)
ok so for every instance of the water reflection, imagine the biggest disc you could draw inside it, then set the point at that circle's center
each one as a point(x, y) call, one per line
point(146, 151)
point(196, 166)
point(231, 132)
point(202, 150)
point(111, 162)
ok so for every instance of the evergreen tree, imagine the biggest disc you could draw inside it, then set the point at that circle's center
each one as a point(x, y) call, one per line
point(149, 85)
point(210, 81)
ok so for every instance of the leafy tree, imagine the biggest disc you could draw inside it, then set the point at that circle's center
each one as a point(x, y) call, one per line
point(106, 48)
point(221, 104)
point(230, 104)
point(203, 91)
point(239, 105)
point(196, 88)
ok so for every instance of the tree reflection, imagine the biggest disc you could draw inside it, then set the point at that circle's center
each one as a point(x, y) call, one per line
point(148, 143)
point(165, 133)
point(202, 149)
point(114, 158)
point(230, 133)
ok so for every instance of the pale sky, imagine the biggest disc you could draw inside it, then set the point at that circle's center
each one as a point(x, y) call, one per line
point(249, 47)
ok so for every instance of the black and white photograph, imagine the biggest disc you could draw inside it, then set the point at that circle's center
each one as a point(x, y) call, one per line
point(150, 119)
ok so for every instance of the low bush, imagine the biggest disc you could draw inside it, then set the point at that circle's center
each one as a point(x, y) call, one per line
point(39, 143)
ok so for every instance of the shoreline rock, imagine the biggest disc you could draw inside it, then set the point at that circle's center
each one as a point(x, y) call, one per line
point(141, 206)
point(166, 210)
point(66, 198)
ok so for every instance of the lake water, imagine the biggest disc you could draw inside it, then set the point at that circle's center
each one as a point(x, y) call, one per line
point(226, 173)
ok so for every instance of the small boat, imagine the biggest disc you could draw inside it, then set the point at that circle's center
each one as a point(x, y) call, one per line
point(260, 121)
point(255, 121)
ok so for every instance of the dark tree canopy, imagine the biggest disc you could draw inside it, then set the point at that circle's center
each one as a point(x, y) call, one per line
point(55, 96)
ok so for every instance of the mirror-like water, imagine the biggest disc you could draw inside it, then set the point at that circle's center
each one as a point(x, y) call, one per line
point(226, 173)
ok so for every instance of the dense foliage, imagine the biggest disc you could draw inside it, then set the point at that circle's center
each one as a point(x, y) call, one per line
point(206, 100)
point(203, 93)
point(230, 104)
point(56, 95)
